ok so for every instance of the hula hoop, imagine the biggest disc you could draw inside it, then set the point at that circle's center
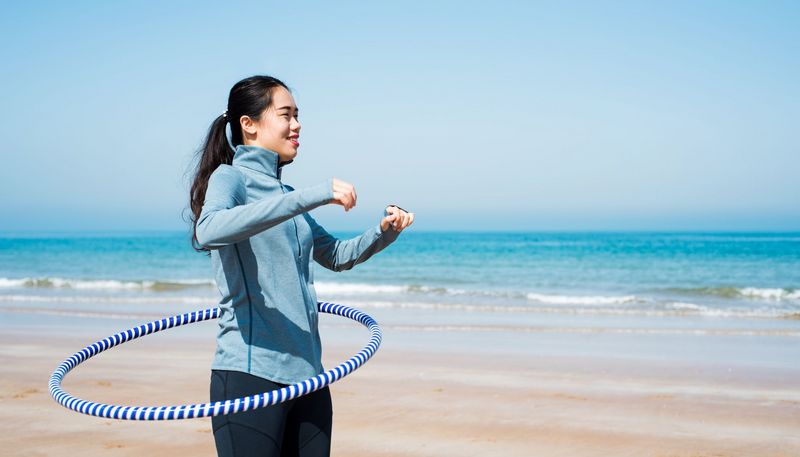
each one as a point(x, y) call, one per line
point(190, 411)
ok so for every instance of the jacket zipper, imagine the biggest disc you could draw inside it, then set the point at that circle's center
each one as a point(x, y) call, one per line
point(299, 249)
point(296, 234)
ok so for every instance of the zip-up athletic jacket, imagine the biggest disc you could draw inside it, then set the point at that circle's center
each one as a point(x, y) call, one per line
point(262, 240)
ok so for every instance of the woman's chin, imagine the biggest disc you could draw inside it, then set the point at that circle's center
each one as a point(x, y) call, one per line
point(288, 155)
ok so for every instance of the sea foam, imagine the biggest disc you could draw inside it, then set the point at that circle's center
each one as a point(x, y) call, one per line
point(583, 300)
point(104, 284)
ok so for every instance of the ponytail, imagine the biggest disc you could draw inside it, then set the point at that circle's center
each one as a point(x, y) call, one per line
point(249, 97)
point(214, 153)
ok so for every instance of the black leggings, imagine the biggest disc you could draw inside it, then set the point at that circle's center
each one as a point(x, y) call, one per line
point(298, 427)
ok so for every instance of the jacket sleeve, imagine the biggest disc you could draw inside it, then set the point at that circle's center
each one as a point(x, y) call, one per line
point(226, 219)
point(337, 255)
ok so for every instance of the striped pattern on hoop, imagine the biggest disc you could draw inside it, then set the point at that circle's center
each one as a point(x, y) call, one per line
point(153, 413)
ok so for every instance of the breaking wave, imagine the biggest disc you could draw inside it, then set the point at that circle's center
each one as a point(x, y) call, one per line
point(105, 284)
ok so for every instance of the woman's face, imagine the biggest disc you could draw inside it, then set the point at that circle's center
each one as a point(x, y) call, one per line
point(278, 128)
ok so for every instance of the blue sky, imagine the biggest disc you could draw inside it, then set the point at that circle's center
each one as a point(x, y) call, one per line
point(475, 115)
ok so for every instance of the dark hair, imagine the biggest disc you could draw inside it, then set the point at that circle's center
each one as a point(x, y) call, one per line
point(249, 97)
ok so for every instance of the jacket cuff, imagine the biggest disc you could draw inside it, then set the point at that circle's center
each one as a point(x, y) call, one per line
point(389, 235)
point(319, 194)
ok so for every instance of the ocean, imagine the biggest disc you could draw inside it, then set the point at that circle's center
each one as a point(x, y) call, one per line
point(738, 282)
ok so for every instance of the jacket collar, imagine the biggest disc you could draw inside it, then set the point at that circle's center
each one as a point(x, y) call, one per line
point(259, 159)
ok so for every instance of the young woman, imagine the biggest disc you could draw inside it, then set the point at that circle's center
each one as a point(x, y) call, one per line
point(261, 240)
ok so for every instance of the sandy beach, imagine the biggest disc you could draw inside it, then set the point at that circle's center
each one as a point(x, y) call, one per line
point(462, 391)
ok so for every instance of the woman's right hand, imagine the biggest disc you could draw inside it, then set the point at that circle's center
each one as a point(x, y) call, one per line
point(344, 194)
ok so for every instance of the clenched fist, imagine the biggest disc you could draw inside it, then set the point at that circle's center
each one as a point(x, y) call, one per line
point(344, 194)
point(398, 218)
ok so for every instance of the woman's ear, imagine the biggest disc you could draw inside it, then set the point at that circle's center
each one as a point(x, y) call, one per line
point(248, 125)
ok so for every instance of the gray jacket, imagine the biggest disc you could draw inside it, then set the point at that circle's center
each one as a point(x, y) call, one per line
point(262, 240)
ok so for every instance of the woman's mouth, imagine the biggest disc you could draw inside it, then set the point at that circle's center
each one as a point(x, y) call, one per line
point(294, 141)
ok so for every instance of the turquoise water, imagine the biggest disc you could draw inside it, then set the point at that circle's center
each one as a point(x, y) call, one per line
point(754, 275)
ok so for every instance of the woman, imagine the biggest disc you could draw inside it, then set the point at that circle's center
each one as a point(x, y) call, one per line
point(261, 240)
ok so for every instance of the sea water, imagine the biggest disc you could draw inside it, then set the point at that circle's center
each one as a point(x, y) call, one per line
point(557, 281)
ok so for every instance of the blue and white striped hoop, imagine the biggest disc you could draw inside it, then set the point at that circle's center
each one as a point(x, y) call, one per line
point(154, 413)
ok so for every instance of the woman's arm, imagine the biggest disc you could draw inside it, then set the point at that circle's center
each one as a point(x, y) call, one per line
point(225, 219)
point(337, 255)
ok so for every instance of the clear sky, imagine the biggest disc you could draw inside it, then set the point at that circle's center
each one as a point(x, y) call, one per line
point(475, 115)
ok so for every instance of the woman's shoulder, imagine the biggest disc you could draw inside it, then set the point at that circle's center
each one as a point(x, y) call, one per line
point(227, 176)
point(228, 173)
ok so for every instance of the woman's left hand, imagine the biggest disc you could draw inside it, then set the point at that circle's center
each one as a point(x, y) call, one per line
point(398, 218)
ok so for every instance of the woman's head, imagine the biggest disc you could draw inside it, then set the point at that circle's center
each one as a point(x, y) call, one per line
point(262, 112)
